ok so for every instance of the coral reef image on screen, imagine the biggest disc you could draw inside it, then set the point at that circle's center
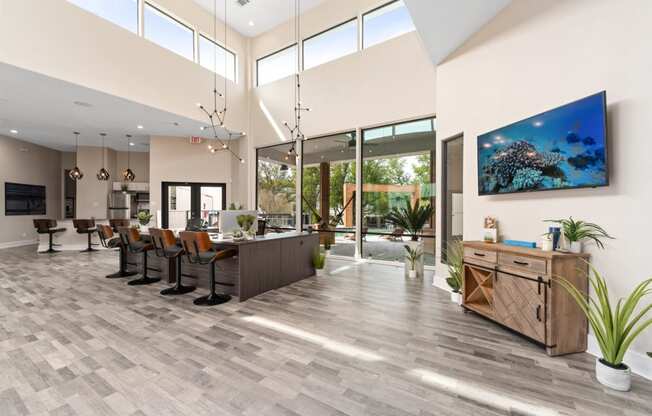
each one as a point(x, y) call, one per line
point(561, 148)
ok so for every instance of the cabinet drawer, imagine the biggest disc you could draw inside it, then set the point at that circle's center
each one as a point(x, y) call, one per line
point(482, 255)
point(525, 263)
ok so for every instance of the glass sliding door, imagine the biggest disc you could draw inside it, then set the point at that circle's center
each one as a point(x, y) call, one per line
point(329, 185)
point(398, 169)
point(276, 174)
point(452, 192)
point(198, 203)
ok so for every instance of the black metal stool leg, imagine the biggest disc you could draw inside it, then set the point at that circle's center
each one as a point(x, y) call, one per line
point(178, 288)
point(90, 247)
point(212, 298)
point(145, 280)
point(123, 267)
point(50, 249)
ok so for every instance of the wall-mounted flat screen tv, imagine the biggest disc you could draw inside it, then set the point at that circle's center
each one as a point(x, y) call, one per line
point(23, 199)
point(560, 149)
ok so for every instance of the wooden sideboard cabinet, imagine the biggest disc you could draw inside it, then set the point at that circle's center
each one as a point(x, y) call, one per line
point(516, 287)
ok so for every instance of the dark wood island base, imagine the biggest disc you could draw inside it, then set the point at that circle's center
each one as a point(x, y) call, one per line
point(265, 263)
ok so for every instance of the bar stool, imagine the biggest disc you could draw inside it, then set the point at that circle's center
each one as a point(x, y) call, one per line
point(86, 227)
point(130, 237)
point(197, 246)
point(48, 227)
point(109, 240)
point(165, 245)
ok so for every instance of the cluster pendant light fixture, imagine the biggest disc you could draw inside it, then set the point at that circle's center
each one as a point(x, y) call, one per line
point(295, 131)
point(128, 175)
point(103, 174)
point(76, 174)
point(217, 118)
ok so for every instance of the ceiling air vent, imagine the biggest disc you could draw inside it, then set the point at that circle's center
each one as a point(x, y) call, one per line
point(243, 2)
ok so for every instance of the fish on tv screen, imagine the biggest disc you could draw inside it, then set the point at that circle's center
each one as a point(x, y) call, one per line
point(559, 149)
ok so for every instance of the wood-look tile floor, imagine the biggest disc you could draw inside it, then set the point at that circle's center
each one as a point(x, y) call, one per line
point(360, 341)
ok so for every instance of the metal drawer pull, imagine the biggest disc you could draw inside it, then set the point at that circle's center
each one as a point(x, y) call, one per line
point(521, 263)
point(539, 313)
point(479, 254)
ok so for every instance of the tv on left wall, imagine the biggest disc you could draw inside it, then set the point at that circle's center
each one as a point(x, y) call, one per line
point(21, 199)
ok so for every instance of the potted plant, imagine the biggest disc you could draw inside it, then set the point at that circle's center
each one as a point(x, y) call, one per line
point(576, 232)
point(455, 263)
point(411, 218)
point(144, 217)
point(615, 328)
point(413, 255)
point(319, 261)
point(246, 223)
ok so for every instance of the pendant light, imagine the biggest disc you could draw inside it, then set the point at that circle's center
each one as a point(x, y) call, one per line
point(217, 118)
point(128, 175)
point(103, 174)
point(76, 174)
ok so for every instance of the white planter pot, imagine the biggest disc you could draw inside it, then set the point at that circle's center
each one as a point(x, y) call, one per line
point(418, 267)
point(319, 272)
point(546, 245)
point(575, 247)
point(412, 274)
point(613, 378)
point(456, 297)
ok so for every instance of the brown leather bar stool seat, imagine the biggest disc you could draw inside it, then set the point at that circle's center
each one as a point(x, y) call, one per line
point(117, 223)
point(86, 227)
point(165, 244)
point(131, 238)
point(48, 227)
point(109, 240)
point(198, 248)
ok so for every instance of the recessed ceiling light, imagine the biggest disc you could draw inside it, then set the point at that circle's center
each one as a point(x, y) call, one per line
point(139, 127)
point(251, 23)
point(13, 131)
point(82, 103)
point(132, 144)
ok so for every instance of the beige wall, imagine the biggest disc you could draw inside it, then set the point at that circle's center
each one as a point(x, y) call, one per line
point(23, 162)
point(537, 55)
point(176, 160)
point(87, 50)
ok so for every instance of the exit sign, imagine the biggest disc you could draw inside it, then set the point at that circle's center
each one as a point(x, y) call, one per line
point(195, 140)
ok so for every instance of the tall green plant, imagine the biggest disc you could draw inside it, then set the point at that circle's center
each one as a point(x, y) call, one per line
point(455, 263)
point(318, 259)
point(411, 218)
point(614, 329)
point(580, 230)
point(413, 255)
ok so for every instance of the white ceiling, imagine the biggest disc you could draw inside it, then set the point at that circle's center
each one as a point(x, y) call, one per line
point(444, 25)
point(44, 112)
point(264, 14)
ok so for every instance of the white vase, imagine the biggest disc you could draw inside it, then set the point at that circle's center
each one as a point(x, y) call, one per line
point(456, 297)
point(575, 247)
point(617, 379)
point(412, 274)
point(546, 244)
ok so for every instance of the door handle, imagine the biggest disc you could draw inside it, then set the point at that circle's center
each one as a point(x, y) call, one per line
point(538, 313)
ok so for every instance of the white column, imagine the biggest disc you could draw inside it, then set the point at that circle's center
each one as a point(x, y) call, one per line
point(358, 193)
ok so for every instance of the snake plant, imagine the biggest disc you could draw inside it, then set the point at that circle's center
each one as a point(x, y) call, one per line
point(455, 263)
point(615, 328)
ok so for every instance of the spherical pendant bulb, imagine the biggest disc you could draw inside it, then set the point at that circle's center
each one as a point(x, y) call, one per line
point(128, 175)
point(76, 174)
point(103, 175)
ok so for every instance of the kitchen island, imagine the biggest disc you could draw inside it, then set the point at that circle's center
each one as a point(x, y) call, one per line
point(265, 263)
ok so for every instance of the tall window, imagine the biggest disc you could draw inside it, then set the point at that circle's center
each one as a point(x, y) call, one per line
point(277, 65)
point(121, 12)
point(398, 168)
point(216, 58)
point(168, 32)
point(329, 190)
point(385, 22)
point(276, 186)
point(331, 44)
